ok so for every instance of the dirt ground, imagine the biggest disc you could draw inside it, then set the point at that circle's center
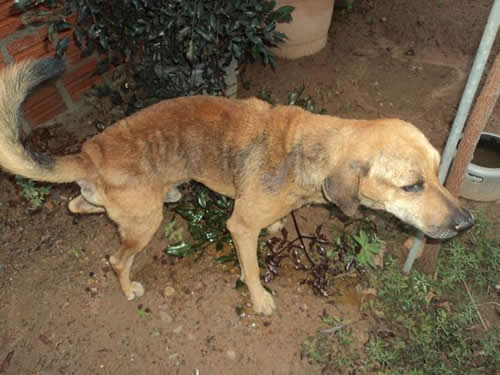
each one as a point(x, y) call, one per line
point(61, 310)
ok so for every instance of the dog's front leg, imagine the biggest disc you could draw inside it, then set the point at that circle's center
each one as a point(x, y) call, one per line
point(245, 236)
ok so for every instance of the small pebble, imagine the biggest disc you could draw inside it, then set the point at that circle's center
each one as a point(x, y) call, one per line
point(168, 291)
point(165, 317)
point(231, 354)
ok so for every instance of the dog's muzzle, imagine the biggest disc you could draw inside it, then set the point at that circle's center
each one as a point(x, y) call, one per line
point(459, 222)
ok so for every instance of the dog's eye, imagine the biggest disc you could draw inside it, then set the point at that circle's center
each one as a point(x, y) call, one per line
point(414, 188)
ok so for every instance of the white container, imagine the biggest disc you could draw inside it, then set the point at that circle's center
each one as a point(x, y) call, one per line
point(482, 181)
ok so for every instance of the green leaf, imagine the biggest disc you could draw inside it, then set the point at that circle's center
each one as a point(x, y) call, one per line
point(181, 249)
point(204, 35)
point(236, 50)
point(79, 37)
point(226, 259)
point(169, 228)
point(51, 33)
point(23, 5)
point(201, 198)
point(283, 14)
point(239, 284)
point(331, 253)
point(62, 46)
point(63, 26)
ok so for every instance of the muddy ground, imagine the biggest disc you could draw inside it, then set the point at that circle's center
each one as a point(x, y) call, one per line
point(61, 310)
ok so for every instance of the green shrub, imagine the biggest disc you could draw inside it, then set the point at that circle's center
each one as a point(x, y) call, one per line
point(165, 41)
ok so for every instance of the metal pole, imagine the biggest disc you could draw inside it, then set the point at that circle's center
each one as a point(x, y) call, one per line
point(489, 35)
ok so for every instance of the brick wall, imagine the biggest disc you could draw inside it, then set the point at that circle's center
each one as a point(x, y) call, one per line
point(18, 42)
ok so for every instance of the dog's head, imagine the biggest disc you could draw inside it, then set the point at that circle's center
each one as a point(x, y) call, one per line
point(393, 167)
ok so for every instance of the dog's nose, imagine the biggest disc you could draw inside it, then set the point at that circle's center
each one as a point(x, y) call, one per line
point(463, 220)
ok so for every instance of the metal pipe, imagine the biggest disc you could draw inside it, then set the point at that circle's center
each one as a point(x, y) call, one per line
point(483, 108)
point(482, 54)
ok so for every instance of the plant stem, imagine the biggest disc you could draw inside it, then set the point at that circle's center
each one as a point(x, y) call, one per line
point(301, 238)
point(475, 307)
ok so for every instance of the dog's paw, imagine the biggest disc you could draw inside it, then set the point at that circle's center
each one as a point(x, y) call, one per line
point(264, 304)
point(173, 195)
point(136, 290)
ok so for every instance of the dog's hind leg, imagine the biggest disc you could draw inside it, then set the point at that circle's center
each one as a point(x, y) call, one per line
point(79, 205)
point(137, 227)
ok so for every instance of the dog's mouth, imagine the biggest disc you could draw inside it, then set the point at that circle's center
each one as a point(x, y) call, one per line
point(460, 222)
point(441, 234)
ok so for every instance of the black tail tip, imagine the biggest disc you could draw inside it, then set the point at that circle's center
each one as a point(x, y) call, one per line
point(48, 67)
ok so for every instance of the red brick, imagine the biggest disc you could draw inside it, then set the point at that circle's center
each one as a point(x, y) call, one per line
point(9, 22)
point(44, 104)
point(81, 79)
point(34, 45)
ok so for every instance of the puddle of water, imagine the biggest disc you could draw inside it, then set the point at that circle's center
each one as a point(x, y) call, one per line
point(487, 153)
point(346, 293)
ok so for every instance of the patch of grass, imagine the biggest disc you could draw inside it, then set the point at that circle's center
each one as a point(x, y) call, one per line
point(428, 326)
point(474, 258)
point(33, 193)
point(317, 348)
point(332, 347)
point(75, 252)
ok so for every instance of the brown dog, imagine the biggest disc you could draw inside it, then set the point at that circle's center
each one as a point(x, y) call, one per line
point(271, 160)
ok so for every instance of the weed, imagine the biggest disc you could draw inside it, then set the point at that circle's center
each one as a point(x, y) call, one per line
point(358, 250)
point(35, 195)
point(172, 233)
point(75, 252)
point(329, 345)
point(295, 97)
point(267, 96)
point(143, 311)
point(369, 245)
point(474, 257)
point(317, 348)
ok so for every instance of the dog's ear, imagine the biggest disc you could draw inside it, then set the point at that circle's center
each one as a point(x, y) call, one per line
point(342, 187)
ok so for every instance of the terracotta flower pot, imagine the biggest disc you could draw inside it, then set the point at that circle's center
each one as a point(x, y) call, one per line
point(308, 32)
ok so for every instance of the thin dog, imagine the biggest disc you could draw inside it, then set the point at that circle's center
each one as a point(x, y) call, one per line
point(271, 160)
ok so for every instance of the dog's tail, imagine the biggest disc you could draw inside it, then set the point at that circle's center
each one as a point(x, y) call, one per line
point(16, 82)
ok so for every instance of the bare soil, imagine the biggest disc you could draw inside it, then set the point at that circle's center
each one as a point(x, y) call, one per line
point(61, 310)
